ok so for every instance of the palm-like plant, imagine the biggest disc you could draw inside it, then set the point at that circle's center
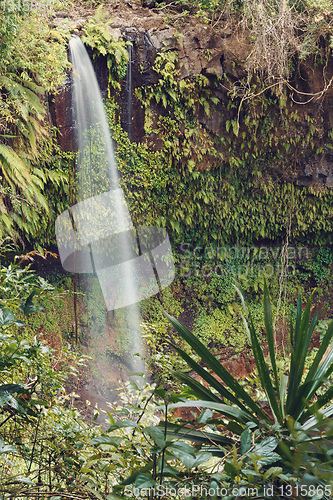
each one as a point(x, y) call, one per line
point(291, 396)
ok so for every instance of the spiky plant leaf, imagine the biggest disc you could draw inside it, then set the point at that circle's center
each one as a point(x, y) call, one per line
point(229, 411)
point(216, 367)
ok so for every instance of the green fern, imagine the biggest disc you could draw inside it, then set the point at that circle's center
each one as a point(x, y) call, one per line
point(13, 168)
point(98, 37)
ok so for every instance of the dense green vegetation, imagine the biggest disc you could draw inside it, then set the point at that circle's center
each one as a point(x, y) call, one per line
point(231, 186)
point(47, 449)
point(225, 187)
point(234, 212)
point(33, 172)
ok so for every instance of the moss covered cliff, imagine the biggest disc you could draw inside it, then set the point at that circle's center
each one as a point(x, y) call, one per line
point(221, 113)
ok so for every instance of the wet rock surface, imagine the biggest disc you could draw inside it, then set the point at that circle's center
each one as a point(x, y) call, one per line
point(202, 49)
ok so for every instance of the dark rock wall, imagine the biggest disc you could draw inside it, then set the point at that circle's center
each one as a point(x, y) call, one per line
point(60, 107)
point(201, 50)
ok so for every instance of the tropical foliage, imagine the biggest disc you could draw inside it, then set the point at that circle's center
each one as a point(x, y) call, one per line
point(32, 63)
point(228, 186)
point(294, 414)
point(99, 37)
point(270, 430)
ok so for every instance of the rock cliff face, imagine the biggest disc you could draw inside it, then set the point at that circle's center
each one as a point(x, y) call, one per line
point(202, 49)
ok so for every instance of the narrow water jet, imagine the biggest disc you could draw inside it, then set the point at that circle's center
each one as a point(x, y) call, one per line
point(119, 265)
point(128, 92)
point(96, 178)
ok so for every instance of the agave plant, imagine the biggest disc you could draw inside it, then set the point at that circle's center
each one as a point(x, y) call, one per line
point(295, 406)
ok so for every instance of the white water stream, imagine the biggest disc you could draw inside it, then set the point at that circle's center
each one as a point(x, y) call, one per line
point(101, 215)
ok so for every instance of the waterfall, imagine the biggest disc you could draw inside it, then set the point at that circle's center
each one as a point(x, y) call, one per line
point(96, 238)
point(102, 223)
point(128, 92)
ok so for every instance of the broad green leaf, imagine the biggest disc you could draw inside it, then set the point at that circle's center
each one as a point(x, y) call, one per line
point(6, 317)
point(6, 448)
point(267, 459)
point(266, 446)
point(7, 400)
point(109, 440)
point(235, 428)
point(181, 450)
point(204, 417)
point(263, 453)
point(272, 472)
point(122, 424)
point(246, 442)
point(157, 435)
point(230, 469)
point(144, 481)
point(235, 126)
point(191, 462)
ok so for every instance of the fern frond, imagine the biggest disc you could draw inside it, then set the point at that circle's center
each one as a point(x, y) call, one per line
point(37, 89)
point(3, 208)
point(38, 126)
point(30, 134)
point(34, 193)
point(13, 168)
point(29, 98)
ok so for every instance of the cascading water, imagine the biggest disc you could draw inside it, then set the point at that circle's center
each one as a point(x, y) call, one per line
point(96, 236)
point(128, 92)
point(101, 211)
